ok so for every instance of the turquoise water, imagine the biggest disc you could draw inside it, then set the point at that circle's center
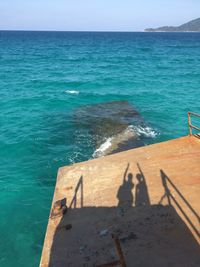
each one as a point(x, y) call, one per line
point(44, 78)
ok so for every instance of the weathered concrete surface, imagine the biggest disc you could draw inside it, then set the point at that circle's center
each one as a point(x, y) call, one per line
point(149, 196)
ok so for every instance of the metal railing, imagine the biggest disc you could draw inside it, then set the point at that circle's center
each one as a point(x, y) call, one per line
point(190, 125)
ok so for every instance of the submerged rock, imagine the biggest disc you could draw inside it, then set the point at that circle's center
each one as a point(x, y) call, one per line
point(124, 140)
point(113, 126)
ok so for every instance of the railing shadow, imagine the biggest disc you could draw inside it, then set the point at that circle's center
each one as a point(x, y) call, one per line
point(79, 186)
point(170, 197)
point(148, 233)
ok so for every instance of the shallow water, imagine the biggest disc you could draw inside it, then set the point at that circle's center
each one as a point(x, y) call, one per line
point(45, 77)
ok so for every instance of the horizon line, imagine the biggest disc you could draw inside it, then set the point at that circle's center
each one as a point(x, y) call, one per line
point(27, 30)
point(96, 31)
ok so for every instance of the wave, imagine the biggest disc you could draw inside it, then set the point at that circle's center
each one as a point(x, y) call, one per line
point(133, 133)
point(145, 131)
point(73, 92)
point(113, 143)
point(99, 152)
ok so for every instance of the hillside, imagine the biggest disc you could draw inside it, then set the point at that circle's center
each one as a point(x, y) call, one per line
point(191, 26)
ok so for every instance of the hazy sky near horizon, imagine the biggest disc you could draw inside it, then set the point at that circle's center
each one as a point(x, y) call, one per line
point(95, 15)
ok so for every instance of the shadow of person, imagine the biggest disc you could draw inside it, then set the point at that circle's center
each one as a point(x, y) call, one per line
point(124, 194)
point(141, 192)
point(164, 237)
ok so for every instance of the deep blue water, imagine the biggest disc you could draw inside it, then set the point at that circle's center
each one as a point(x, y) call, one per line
point(158, 73)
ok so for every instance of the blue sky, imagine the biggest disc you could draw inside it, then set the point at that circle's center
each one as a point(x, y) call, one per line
point(95, 15)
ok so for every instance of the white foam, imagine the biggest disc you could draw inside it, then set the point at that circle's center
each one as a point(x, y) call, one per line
point(130, 132)
point(113, 141)
point(99, 152)
point(74, 92)
point(145, 131)
point(129, 129)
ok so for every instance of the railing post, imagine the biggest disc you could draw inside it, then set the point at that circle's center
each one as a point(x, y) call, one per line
point(189, 123)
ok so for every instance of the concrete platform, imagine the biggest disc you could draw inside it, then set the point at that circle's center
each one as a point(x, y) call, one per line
point(149, 197)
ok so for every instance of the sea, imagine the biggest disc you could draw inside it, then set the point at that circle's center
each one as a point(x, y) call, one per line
point(46, 78)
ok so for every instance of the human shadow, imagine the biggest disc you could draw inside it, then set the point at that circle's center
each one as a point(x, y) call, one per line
point(153, 235)
point(141, 192)
point(124, 194)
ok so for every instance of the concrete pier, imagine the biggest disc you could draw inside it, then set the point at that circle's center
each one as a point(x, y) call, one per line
point(149, 197)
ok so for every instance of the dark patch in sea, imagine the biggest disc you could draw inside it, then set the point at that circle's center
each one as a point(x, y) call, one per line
point(111, 120)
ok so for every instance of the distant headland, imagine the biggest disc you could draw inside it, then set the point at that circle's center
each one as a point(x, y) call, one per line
point(191, 26)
